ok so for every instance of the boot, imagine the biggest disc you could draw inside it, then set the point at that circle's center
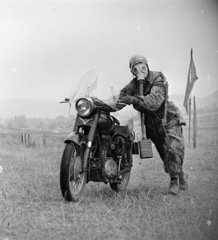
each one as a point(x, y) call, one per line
point(174, 187)
point(183, 185)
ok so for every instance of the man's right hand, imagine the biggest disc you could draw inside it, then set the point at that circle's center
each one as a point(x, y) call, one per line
point(129, 100)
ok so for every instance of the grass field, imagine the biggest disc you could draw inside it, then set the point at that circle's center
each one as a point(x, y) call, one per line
point(31, 205)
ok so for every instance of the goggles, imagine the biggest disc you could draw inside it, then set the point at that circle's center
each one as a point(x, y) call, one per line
point(139, 68)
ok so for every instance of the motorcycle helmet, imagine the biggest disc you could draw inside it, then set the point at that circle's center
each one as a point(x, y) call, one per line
point(137, 58)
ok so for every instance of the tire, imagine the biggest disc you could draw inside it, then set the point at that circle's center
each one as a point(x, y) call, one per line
point(72, 181)
point(121, 187)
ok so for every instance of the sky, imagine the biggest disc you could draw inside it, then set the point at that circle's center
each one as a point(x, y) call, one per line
point(47, 46)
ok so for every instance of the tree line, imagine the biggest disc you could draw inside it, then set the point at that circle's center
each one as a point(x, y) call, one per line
point(22, 122)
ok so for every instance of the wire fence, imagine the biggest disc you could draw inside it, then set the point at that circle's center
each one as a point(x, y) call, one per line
point(35, 139)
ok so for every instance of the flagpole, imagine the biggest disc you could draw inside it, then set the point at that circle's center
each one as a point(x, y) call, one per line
point(194, 124)
point(190, 106)
point(189, 125)
point(192, 77)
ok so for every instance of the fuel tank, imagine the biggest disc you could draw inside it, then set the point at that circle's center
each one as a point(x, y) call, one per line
point(105, 123)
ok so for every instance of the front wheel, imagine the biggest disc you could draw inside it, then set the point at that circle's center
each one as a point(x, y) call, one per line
point(122, 186)
point(72, 179)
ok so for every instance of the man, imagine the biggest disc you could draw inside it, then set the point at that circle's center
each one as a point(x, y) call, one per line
point(168, 138)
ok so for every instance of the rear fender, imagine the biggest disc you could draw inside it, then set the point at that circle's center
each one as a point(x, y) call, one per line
point(76, 138)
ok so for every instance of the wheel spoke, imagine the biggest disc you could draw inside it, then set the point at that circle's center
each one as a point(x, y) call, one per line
point(72, 181)
point(76, 185)
point(71, 177)
point(76, 182)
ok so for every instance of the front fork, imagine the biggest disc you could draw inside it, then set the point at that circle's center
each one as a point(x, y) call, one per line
point(90, 139)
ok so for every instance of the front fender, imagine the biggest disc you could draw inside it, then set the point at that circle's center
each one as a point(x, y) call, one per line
point(77, 138)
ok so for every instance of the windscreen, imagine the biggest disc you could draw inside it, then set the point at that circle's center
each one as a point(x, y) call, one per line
point(98, 84)
point(105, 87)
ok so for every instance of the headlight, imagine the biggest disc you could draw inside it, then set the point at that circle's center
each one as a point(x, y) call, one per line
point(84, 106)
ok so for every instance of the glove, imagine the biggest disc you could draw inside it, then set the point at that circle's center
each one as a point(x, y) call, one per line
point(129, 100)
point(120, 105)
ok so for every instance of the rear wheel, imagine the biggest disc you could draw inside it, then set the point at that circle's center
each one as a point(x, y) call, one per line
point(122, 186)
point(72, 179)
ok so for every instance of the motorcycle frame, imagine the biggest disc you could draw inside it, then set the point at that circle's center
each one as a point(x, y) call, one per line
point(91, 122)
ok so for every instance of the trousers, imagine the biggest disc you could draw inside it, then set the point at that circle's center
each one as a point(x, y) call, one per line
point(169, 142)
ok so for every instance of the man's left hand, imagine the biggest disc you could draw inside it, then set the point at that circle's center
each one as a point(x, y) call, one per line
point(129, 100)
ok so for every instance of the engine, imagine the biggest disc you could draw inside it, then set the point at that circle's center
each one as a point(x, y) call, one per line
point(111, 168)
point(114, 157)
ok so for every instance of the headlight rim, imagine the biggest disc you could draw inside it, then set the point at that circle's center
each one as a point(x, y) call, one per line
point(92, 106)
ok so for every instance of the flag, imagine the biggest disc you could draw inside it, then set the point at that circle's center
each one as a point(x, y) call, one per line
point(192, 77)
point(194, 125)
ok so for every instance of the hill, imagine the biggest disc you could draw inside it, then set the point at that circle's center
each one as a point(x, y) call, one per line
point(32, 108)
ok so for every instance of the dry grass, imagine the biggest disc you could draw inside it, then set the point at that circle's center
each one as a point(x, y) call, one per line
point(31, 205)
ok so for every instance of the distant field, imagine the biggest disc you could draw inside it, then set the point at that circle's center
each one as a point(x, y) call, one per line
point(207, 125)
point(31, 205)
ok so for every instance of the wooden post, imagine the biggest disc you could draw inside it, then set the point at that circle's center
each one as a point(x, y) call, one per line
point(44, 140)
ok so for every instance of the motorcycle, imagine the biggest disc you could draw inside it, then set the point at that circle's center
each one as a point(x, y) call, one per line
point(100, 148)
